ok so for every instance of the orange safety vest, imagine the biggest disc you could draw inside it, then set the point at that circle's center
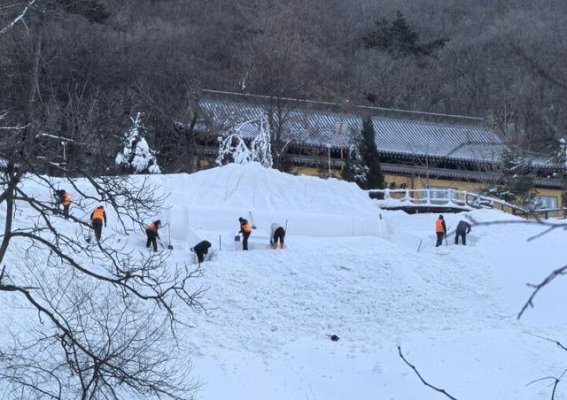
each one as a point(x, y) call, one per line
point(98, 214)
point(439, 226)
point(151, 227)
point(245, 226)
point(66, 199)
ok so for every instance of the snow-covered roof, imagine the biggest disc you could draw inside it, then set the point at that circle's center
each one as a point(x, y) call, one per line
point(394, 135)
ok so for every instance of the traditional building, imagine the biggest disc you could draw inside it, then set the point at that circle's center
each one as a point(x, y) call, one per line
point(417, 150)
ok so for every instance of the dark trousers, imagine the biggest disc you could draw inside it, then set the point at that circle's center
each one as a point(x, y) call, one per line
point(245, 236)
point(152, 239)
point(200, 255)
point(97, 227)
point(279, 235)
point(463, 236)
point(440, 236)
point(66, 211)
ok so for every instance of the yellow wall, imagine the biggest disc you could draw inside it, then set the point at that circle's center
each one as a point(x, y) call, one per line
point(413, 182)
point(475, 187)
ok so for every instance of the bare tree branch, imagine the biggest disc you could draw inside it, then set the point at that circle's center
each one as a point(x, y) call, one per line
point(19, 18)
point(561, 346)
point(442, 391)
point(537, 287)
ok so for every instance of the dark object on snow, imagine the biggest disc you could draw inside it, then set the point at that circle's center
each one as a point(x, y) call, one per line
point(334, 338)
point(462, 229)
point(201, 249)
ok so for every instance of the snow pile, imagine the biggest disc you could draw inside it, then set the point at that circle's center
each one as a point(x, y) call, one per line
point(214, 199)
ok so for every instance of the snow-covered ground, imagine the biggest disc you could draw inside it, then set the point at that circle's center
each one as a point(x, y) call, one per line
point(369, 276)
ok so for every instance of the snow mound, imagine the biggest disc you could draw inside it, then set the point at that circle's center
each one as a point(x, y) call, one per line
point(214, 199)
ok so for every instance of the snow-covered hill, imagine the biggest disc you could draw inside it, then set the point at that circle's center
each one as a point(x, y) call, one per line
point(369, 276)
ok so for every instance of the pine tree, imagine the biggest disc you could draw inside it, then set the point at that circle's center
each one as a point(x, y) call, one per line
point(355, 170)
point(364, 161)
point(517, 180)
point(136, 156)
point(399, 39)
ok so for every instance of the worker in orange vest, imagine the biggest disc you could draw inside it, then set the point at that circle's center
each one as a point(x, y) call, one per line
point(440, 230)
point(245, 229)
point(65, 199)
point(153, 234)
point(98, 216)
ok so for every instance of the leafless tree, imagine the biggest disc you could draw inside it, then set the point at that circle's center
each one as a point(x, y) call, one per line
point(105, 316)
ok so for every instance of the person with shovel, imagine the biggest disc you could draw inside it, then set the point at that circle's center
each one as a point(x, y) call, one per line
point(440, 230)
point(246, 230)
point(462, 230)
point(277, 236)
point(201, 249)
point(98, 216)
point(64, 198)
point(153, 234)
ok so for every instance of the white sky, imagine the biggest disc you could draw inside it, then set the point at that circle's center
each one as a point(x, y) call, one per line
point(355, 271)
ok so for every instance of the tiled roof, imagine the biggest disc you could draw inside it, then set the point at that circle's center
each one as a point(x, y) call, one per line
point(457, 141)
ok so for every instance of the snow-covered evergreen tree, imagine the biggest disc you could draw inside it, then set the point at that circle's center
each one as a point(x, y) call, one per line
point(233, 148)
point(355, 170)
point(517, 180)
point(363, 163)
point(136, 156)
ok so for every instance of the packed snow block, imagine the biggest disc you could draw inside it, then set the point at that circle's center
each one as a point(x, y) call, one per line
point(180, 225)
point(217, 197)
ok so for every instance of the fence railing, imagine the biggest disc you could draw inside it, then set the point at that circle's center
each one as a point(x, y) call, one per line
point(390, 198)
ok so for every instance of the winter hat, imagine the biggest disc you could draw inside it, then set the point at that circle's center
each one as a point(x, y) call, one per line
point(241, 219)
point(158, 222)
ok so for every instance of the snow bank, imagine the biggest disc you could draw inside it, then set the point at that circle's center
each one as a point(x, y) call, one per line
point(214, 199)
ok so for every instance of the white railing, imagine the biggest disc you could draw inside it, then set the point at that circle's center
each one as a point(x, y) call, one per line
point(458, 199)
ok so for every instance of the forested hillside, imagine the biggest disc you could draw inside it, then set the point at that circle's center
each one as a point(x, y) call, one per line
point(81, 69)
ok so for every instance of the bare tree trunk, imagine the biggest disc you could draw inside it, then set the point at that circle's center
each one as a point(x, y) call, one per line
point(33, 87)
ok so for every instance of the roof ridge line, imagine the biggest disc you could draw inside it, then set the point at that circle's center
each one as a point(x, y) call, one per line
point(359, 106)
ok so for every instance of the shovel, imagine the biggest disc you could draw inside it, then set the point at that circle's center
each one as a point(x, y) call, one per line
point(252, 220)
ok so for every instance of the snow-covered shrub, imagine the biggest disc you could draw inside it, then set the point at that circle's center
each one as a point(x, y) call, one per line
point(233, 147)
point(136, 156)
